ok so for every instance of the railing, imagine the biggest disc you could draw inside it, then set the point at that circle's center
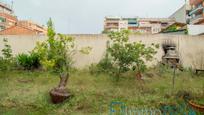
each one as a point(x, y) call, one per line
point(133, 25)
point(3, 24)
point(196, 19)
point(200, 7)
point(111, 26)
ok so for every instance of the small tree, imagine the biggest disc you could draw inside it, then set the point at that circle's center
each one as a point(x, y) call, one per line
point(7, 51)
point(7, 61)
point(56, 54)
point(128, 56)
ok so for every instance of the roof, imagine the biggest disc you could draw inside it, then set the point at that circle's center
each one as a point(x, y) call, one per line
point(112, 17)
point(18, 30)
point(8, 16)
point(157, 19)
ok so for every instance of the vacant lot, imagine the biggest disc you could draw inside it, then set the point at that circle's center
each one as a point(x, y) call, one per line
point(27, 93)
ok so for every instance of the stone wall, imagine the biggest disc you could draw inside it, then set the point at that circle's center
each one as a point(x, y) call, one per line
point(190, 48)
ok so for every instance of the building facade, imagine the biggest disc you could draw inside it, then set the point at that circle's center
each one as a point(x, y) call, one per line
point(132, 23)
point(153, 25)
point(5, 8)
point(9, 23)
point(19, 30)
point(197, 12)
point(7, 18)
point(182, 14)
point(137, 25)
point(115, 24)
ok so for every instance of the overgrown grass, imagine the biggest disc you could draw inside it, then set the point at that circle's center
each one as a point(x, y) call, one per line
point(27, 93)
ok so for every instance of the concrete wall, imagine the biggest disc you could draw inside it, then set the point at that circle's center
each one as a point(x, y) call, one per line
point(195, 29)
point(190, 48)
point(180, 15)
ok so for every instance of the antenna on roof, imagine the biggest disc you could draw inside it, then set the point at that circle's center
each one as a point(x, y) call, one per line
point(12, 6)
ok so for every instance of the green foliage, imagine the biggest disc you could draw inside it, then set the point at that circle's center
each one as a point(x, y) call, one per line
point(92, 95)
point(55, 53)
point(124, 56)
point(86, 50)
point(105, 32)
point(171, 28)
point(7, 62)
point(7, 51)
point(3, 64)
point(186, 31)
point(104, 66)
point(28, 61)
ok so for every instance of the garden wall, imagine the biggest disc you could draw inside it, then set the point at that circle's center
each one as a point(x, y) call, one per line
point(191, 48)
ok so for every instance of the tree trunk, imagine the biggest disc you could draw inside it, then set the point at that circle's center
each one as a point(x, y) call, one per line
point(138, 76)
point(63, 80)
point(60, 93)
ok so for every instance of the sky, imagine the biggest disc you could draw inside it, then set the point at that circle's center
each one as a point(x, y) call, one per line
point(87, 16)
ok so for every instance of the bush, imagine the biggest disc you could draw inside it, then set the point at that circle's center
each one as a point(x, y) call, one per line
point(7, 62)
point(28, 61)
point(104, 66)
point(56, 52)
point(2, 64)
point(123, 56)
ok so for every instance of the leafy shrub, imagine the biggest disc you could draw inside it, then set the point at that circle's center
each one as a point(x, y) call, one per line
point(56, 52)
point(28, 61)
point(124, 56)
point(7, 62)
point(3, 65)
point(104, 66)
point(7, 51)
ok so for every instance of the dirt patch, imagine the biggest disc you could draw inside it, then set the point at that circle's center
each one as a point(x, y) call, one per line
point(25, 80)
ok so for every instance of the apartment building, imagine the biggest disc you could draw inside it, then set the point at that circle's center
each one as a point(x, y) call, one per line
point(182, 14)
point(9, 24)
point(197, 12)
point(132, 23)
point(7, 19)
point(5, 8)
point(137, 25)
point(153, 25)
point(115, 24)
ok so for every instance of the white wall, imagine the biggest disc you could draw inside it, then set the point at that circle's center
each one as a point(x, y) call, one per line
point(195, 29)
point(180, 15)
point(190, 48)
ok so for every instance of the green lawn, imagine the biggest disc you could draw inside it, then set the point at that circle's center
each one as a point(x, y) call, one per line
point(27, 93)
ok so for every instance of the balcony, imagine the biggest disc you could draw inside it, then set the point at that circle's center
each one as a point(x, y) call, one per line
point(195, 10)
point(195, 2)
point(111, 26)
point(111, 21)
point(196, 19)
point(3, 23)
point(133, 25)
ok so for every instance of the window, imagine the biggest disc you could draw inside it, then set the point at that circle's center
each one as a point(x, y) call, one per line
point(2, 19)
